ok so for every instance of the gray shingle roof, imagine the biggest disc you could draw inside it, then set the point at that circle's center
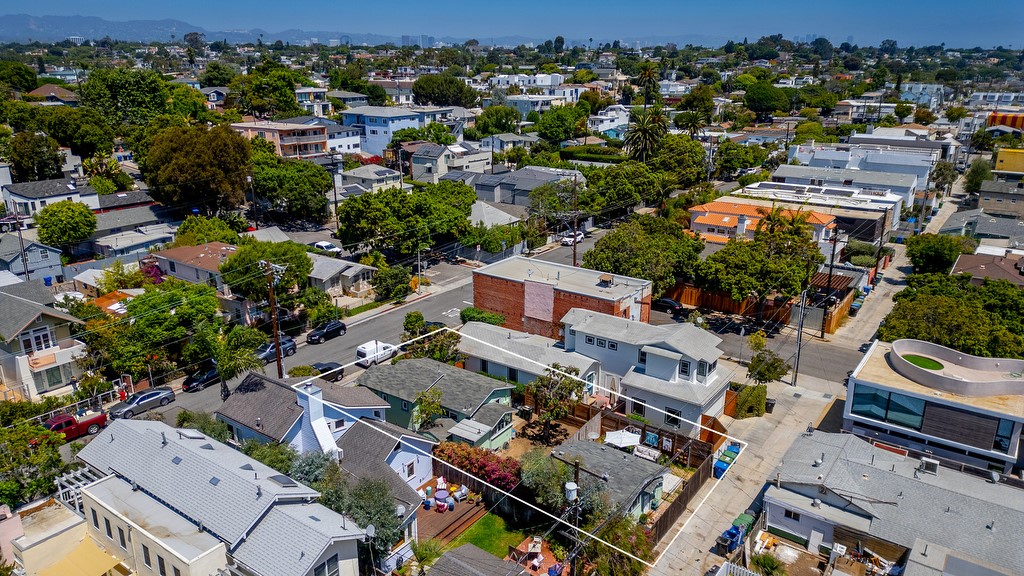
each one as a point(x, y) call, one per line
point(365, 452)
point(22, 303)
point(901, 508)
point(123, 199)
point(201, 478)
point(626, 473)
point(516, 349)
point(259, 397)
point(840, 175)
point(10, 247)
point(371, 171)
point(468, 560)
point(132, 217)
point(1003, 187)
point(489, 414)
point(292, 537)
point(685, 338)
point(350, 396)
point(461, 390)
point(48, 188)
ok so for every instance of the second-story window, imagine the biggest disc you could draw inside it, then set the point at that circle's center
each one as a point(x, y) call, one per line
point(641, 357)
point(684, 368)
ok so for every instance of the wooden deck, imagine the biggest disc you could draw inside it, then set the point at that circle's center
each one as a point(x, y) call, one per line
point(446, 526)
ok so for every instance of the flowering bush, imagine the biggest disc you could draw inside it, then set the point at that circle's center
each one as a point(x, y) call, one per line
point(484, 464)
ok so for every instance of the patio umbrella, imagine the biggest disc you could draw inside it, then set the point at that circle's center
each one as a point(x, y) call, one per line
point(622, 439)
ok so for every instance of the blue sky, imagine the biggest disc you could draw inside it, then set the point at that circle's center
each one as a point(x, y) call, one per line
point(958, 23)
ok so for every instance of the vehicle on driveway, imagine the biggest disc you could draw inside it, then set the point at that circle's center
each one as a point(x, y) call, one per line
point(326, 331)
point(142, 401)
point(572, 238)
point(374, 351)
point(200, 379)
point(337, 372)
point(268, 353)
point(327, 247)
point(72, 426)
point(667, 305)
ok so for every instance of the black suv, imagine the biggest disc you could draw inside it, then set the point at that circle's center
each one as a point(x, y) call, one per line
point(326, 331)
point(200, 379)
point(667, 305)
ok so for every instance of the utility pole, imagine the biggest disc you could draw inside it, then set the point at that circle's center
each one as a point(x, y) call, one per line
point(575, 219)
point(272, 271)
point(799, 336)
point(21, 242)
point(828, 292)
point(255, 205)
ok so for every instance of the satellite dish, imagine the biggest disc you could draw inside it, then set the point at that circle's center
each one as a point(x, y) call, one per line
point(371, 530)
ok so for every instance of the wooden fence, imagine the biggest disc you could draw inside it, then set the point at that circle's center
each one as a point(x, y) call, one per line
point(730, 403)
point(689, 295)
point(677, 507)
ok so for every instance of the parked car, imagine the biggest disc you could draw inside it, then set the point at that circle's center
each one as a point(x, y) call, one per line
point(268, 353)
point(72, 426)
point(142, 401)
point(200, 379)
point(327, 247)
point(667, 305)
point(572, 238)
point(324, 367)
point(374, 351)
point(326, 331)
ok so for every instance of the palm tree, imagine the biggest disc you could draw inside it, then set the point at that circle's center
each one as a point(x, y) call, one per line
point(645, 134)
point(693, 121)
point(426, 552)
point(647, 78)
point(234, 356)
point(767, 565)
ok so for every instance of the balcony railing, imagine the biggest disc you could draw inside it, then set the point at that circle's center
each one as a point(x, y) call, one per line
point(304, 139)
point(64, 352)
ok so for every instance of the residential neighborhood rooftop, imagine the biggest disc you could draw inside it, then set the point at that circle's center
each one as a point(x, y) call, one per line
point(687, 338)
point(460, 389)
point(520, 350)
point(626, 474)
point(207, 256)
point(583, 281)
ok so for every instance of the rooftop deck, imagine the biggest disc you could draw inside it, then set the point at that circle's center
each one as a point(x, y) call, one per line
point(446, 526)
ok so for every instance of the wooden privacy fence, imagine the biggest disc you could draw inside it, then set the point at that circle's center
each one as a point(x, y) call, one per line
point(688, 295)
point(664, 523)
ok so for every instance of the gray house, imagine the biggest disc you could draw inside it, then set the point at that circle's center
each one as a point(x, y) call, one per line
point(672, 368)
point(904, 185)
point(632, 483)
point(336, 276)
point(515, 187)
point(43, 260)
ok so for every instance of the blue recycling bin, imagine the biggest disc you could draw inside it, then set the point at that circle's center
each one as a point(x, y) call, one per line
point(720, 468)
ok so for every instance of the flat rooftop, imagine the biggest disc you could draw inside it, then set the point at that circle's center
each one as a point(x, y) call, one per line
point(178, 534)
point(876, 368)
point(566, 278)
point(42, 521)
point(270, 125)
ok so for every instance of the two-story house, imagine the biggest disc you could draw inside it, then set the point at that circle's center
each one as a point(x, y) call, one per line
point(722, 220)
point(55, 95)
point(289, 140)
point(506, 141)
point(372, 177)
point(201, 265)
point(350, 99)
point(215, 96)
point(432, 161)
point(175, 501)
point(42, 261)
point(314, 101)
point(38, 350)
point(27, 198)
point(476, 409)
point(378, 124)
point(673, 368)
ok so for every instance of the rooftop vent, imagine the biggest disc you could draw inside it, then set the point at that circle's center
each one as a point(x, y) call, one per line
point(207, 446)
point(247, 466)
point(606, 279)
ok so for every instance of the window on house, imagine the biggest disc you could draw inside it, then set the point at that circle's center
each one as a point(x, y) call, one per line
point(176, 571)
point(483, 366)
point(639, 407)
point(171, 266)
point(572, 332)
point(106, 527)
point(589, 340)
point(376, 414)
point(410, 469)
point(1004, 436)
point(121, 539)
point(792, 515)
point(44, 254)
point(513, 375)
point(340, 423)
point(405, 405)
point(672, 416)
point(613, 345)
point(95, 519)
point(145, 556)
point(641, 357)
point(702, 369)
point(161, 567)
point(684, 368)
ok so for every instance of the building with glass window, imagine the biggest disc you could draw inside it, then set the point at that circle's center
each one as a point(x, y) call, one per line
point(939, 403)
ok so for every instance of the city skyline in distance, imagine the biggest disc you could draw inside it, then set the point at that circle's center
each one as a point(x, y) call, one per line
point(868, 22)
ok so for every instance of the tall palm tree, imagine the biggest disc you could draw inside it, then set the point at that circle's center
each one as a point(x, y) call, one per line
point(645, 135)
point(233, 359)
point(692, 121)
point(647, 79)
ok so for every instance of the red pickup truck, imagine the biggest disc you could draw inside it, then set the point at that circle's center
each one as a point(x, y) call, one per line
point(72, 426)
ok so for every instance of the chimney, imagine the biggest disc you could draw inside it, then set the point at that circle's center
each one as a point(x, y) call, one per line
point(741, 226)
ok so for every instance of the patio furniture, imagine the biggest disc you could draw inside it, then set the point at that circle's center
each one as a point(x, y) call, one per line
point(441, 496)
point(441, 484)
point(536, 562)
point(442, 507)
point(535, 545)
point(450, 502)
point(430, 490)
point(554, 569)
point(461, 494)
point(426, 503)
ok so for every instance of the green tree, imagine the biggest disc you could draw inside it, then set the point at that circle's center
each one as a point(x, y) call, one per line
point(234, 352)
point(691, 121)
point(63, 224)
point(294, 187)
point(956, 113)
point(554, 393)
point(428, 406)
point(31, 462)
point(368, 502)
point(645, 135)
point(701, 99)
point(560, 123)
point(17, 76)
point(34, 157)
point(497, 120)
point(125, 96)
point(278, 456)
point(647, 247)
point(980, 171)
point(936, 252)
point(944, 175)
point(546, 477)
point(205, 423)
point(443, 90)
point(767, 366)
point(196, 230)
point(924, 116)
point(426, 552)
point(621, 531)
point(682, 157)
point(310, 467)
point(217, 74)
point(246, 275)
point(118, 277)
point(763, 99)
point(647, 79)
point(952, 322)
point(199, 167)
point(392, 283)
point(904, 109)
point(766, 564)
point(268, 90)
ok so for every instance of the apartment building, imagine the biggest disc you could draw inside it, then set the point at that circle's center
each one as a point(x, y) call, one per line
point(289, 140)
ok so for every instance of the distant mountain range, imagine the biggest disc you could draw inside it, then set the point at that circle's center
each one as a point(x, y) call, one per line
point(25, 28)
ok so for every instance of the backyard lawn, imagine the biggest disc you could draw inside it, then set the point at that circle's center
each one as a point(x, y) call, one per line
point(490, 534)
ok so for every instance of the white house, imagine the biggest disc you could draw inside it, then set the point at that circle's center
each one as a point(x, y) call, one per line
point(507, 141)
point(27, 198)
point(673, 368)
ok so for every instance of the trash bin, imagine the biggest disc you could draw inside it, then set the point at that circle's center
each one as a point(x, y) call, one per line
point(769, 405)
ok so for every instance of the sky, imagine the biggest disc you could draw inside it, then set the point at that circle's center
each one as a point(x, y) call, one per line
point(959, 23)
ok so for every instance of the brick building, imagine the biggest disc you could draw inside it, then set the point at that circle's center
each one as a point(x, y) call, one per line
point(534, 295)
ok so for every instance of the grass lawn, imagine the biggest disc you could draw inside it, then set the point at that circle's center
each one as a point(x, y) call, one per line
point(923, 362)
point(490, 534)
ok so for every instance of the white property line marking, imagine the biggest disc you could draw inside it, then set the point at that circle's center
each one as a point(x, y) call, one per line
point(299, 387)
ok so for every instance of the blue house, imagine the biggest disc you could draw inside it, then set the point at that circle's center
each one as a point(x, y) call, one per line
point(378, 124)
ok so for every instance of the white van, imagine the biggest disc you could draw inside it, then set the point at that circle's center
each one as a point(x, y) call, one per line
point(374, 351)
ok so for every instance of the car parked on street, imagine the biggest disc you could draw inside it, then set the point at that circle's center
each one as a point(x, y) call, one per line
point(326, 331)
point(268, 353)
point(142, 401)
point(200, 379)
point(374, 351)
point(667, 305)
point(327, 247)
point(75, 426)
point(337, 372)
point(572, 238)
